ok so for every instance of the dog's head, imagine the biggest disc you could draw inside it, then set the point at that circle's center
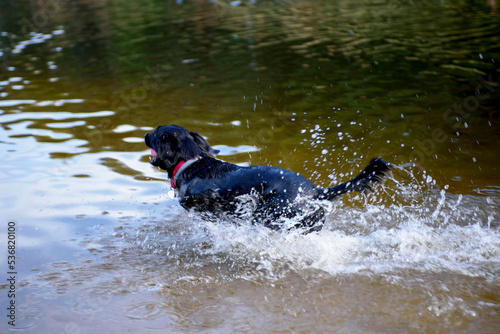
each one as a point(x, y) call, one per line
point(171, 144)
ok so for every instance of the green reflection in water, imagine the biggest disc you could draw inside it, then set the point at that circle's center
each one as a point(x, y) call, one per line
point(319, 87)
point(392, 69)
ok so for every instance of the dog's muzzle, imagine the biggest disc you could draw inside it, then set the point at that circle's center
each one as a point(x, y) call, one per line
point(154, 154)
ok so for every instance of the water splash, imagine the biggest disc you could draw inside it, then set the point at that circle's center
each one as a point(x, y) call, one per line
point(409, 226)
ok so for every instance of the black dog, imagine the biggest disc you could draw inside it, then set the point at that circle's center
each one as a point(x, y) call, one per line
point(269, 195)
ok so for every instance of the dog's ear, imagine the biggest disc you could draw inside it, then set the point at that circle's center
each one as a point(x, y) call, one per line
point(203, 144)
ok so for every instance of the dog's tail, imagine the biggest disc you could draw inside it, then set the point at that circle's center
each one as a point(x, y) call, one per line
point(376, 172)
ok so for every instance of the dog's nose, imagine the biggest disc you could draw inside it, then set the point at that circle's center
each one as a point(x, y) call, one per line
point(146, 138)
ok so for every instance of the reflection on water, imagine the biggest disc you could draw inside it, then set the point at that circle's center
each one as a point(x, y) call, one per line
point(319, 87)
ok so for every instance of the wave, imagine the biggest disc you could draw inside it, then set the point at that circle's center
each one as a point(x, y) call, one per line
point(413, 226)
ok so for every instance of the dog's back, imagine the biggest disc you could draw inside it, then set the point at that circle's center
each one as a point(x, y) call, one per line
point(276, 195)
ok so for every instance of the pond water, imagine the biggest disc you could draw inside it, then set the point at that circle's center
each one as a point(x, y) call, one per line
point(318, 87)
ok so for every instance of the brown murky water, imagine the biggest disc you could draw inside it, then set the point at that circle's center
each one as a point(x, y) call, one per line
point(319, 87)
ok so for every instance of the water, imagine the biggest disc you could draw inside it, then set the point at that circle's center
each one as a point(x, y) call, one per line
point(318, 87)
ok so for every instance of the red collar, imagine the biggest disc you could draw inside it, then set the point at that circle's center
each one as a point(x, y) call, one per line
point(180, 167)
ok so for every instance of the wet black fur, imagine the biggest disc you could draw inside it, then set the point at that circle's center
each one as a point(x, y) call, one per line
point(219, 188)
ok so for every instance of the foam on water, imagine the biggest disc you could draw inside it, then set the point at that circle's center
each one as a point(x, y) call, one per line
point(434, 231)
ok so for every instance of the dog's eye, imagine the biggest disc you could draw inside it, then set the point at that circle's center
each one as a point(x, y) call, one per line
point(163, 137)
